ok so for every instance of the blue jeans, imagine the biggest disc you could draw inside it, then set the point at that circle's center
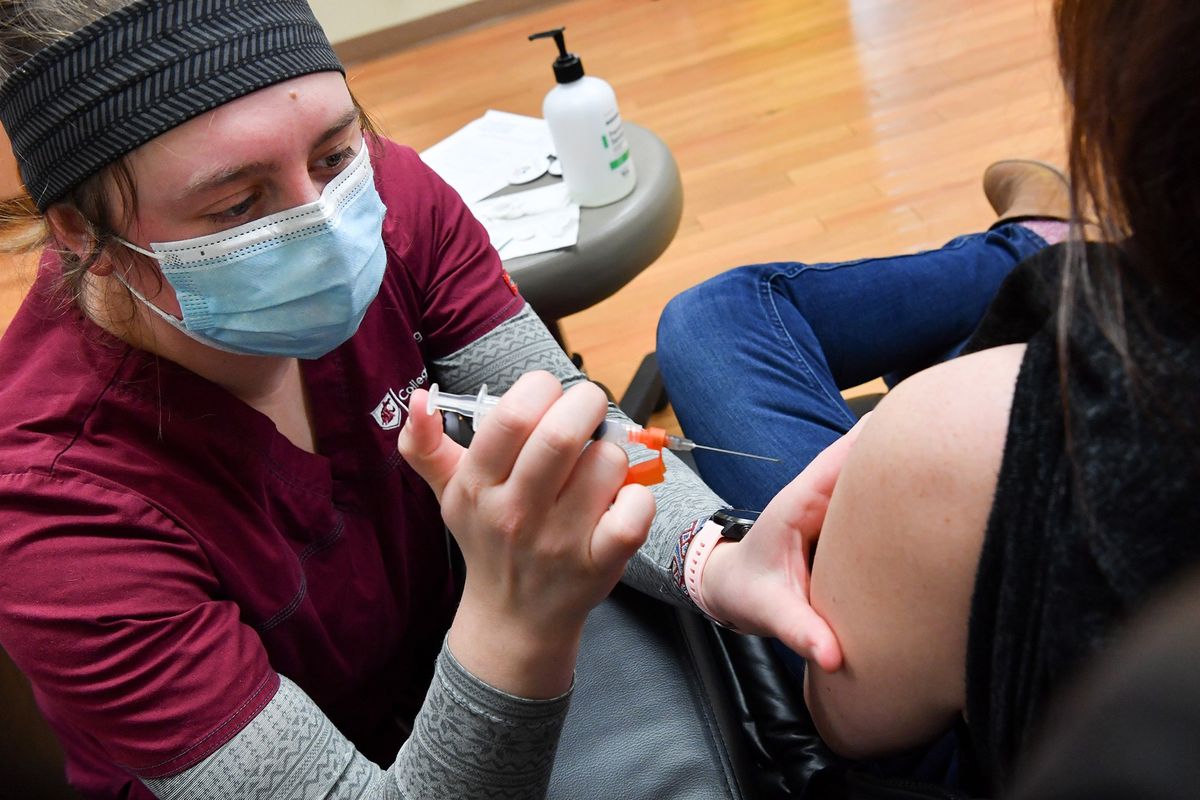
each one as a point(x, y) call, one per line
point(755, 359)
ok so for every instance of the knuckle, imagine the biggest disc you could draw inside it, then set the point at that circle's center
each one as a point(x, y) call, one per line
point(553, 548)
point(589, 400)
point(511, 420)
point(590, 392)
point(609, 464)
point(621, 528)
point(468, 489)
point(612, 455)
point(543, 377)
point(538, 385)
point(558, 441)
point(471, 487)
point(478, 508)
point(509, 526)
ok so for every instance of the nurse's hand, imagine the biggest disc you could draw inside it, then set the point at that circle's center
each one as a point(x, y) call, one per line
point(760, 584)
point(544, 525)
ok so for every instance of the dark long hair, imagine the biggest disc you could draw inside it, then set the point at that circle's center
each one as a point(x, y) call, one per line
point(1131, 70)
point(1132, 73)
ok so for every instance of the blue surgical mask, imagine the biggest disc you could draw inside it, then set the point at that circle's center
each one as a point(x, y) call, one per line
point(296, 283)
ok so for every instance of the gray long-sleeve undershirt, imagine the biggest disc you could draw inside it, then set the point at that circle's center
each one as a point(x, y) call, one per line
point(469, 740)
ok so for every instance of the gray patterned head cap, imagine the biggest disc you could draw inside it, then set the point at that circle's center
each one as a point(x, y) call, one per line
point(86, 100)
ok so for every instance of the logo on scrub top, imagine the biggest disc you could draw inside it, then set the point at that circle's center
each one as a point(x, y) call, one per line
point(390, 412)
point(387, 413)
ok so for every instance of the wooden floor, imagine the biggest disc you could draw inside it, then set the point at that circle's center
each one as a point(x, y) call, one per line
point(808, 130)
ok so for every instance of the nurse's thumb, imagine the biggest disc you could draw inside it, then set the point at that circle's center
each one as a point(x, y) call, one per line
point(429, 451)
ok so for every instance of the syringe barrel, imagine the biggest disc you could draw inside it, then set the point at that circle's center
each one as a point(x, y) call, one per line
point(631, 433)
point(615, 432)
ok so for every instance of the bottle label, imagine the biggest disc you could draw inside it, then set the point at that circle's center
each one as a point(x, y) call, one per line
point(614, 141)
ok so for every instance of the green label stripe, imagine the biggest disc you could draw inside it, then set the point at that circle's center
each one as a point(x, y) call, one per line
point(619, 161)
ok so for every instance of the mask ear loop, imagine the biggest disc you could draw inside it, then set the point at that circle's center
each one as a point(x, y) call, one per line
point(136, 293)
point(136, 249)
point(171, 320)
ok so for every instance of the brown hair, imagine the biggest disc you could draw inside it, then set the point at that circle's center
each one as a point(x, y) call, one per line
point(26, 26)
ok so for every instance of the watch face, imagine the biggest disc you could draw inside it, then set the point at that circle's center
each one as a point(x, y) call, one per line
point(735, 522)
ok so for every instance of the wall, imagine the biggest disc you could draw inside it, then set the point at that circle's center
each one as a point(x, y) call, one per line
point(349, 19)
point(342, 19)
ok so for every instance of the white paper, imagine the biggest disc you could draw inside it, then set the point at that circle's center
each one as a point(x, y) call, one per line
point(479, 159)
point(533, 221)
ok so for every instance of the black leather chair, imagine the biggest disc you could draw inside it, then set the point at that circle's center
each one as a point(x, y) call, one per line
point(668, 706)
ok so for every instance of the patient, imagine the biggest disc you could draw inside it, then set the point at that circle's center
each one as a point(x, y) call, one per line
point(993, 522)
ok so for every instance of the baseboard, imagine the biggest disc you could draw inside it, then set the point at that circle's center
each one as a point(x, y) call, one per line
point(407, 34)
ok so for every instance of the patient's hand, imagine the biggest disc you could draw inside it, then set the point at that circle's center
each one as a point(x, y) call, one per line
point(761, 583)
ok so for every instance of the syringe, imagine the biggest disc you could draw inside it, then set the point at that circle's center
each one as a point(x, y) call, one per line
point(477, 407)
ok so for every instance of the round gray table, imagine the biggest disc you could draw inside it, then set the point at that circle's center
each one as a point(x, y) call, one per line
point(616, 242)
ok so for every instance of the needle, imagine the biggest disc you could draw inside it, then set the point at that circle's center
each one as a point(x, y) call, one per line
point(732, 452)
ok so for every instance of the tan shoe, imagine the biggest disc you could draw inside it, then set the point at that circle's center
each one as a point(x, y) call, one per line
point(1021, 189)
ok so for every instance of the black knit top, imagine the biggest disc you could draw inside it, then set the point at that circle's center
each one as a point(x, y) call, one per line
point(1082, 528)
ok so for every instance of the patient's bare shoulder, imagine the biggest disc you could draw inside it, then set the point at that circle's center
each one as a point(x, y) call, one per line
point(896, 561)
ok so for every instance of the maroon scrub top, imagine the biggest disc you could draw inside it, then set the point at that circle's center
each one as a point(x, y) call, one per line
point(165, 553)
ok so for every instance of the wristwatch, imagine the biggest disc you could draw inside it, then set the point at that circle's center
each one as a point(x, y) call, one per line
point(725, 523)
point(734, 522)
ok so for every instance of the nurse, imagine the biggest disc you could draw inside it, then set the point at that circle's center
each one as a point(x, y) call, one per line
point(220, 576)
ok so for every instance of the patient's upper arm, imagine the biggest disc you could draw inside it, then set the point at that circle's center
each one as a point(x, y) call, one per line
point(896, 562)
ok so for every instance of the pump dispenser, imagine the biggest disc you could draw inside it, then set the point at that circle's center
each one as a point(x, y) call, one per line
point(585, 125)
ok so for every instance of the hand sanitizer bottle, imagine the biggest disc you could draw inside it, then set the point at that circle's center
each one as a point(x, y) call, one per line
point(585, 125)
